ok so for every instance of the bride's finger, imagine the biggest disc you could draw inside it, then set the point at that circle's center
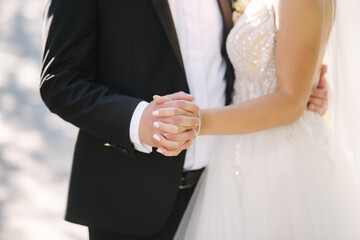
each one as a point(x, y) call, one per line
point(170, 128)
point(181, 137)
point(172, 111)
point(182, 121)
point(170, 145)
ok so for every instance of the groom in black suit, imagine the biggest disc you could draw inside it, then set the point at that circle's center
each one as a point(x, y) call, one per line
point(102, 60)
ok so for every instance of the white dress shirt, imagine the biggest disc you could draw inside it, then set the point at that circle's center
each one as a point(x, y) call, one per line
point(199, 28)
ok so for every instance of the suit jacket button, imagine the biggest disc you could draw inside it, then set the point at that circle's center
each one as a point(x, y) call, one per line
point(124, 151)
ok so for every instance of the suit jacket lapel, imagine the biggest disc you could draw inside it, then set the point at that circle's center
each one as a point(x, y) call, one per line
point(164, 13)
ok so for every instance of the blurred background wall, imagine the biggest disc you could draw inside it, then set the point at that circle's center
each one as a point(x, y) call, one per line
point(35, 146)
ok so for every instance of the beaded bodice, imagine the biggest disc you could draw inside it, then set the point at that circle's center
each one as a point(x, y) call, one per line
point(250, 46)
point(251, 49)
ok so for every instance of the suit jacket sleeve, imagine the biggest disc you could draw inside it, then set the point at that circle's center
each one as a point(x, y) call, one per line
point(69, 81)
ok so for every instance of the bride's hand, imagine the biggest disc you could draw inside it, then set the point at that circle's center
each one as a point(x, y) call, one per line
point(177, 118)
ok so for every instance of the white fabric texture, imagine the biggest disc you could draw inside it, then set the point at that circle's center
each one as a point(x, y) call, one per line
point(199, 28)
point(284, 183)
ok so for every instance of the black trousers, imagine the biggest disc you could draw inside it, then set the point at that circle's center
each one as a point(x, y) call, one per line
point(167, 233)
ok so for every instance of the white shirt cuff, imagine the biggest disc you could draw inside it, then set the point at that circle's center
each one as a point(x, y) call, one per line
point(134, 129)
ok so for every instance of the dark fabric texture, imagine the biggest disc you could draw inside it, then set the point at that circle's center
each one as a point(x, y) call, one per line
point(166, 233)
point(101, 58)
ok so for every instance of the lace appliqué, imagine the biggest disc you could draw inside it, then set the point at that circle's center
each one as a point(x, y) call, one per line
point(241, 155)
point(322, 140)
point(318, 134)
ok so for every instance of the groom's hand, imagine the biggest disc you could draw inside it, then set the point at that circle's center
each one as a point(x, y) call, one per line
point(318, 101)
point(179, 137)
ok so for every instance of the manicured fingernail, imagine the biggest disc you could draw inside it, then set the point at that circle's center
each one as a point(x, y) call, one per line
point(156, 124)
point(156, 137)
point(165, 134)
point(156, 96)
point(160, 151)
point(155, 113)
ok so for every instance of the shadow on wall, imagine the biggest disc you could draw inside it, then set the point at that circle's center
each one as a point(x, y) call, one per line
point(35, 145)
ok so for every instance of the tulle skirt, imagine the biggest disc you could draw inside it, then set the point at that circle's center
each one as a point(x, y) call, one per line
point(286, 183)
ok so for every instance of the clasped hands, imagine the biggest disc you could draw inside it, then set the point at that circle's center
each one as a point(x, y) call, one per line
point(171, 122)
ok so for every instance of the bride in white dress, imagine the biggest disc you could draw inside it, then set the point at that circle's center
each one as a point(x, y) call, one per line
point(278, 178)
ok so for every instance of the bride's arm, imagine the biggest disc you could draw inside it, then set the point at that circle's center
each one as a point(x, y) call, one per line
point(298, 45)
point(299, 40)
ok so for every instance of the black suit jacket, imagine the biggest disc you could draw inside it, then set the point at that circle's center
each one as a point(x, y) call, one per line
point(101, 58)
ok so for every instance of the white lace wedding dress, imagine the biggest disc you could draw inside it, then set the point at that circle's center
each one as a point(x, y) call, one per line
point(279, 184)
